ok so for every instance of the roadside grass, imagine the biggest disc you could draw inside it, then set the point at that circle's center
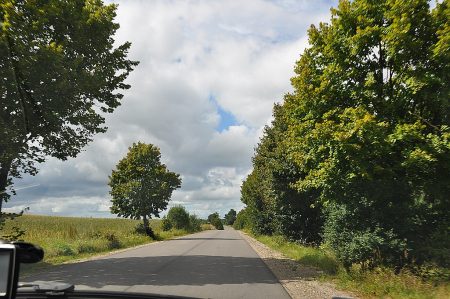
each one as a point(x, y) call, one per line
point(66, 239)
point(378, 283)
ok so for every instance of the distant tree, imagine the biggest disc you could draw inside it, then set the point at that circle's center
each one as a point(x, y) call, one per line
point(141, 186)
point(178, 217)
point(230, 217)
point(214, 219)
point(59, 71)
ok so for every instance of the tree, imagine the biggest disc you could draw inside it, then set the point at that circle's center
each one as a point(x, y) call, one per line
point(359, 152)
point(141, 186)
point(60, 73)
point(178, 217)
point(230, 217)
point(368, 128)
point(214, 219)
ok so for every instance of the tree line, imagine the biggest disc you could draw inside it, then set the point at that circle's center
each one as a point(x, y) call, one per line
point(357, 157)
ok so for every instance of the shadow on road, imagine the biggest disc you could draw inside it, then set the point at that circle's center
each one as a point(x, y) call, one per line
point(161, 271)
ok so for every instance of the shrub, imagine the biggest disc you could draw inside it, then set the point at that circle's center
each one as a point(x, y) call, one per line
point(178, 217)
point(166, 224)
point(140, 229)
point(63, 249)
point(194, 223)
point(86, 248)
point(113, 241)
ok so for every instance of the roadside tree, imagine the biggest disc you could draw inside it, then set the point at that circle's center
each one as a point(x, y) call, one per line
point(141, 186)
point(60, 71)
point(230, 217)
point(214, 220)
point(178, 217)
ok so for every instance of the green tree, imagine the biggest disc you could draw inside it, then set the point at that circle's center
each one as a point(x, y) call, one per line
point(368, 128)
point(141, 186)
point(60, 71)
point(178, 217)
point(214, 219)
point(230, 217)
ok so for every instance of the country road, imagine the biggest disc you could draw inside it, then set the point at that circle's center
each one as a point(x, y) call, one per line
point(209, 264)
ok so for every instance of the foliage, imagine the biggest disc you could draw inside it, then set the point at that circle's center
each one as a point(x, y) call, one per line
point(230, 217)
point(61, 70)
point(178, 217)
point(214, 219)
point(166, 224)
point(141, 186)
point(14, 233)
point(242, 220)
point(358, 155)
point(195, 223)
point(376, 283)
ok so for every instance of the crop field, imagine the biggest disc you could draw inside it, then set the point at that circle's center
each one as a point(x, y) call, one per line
point(69, 238)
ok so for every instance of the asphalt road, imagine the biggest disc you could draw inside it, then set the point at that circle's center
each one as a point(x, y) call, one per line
point(210, 264)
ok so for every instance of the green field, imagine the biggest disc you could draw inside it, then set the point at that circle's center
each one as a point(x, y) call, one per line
point(379, 283)
point(70, 238)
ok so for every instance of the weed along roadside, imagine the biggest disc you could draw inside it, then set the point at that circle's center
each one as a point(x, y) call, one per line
point(68, 239)
point(310, 265)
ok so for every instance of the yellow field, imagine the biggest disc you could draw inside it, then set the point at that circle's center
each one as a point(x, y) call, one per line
point(69, 238)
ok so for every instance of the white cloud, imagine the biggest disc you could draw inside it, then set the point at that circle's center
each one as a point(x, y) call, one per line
point(240, 52)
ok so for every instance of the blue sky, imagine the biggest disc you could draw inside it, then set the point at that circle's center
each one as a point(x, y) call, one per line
point(209, 74)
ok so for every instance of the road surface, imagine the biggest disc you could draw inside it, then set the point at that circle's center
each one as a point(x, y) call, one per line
point(209, 264)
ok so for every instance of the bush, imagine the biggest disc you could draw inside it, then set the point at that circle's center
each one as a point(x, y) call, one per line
point(242, 220)
point(217, 223)
point(166, 225)
point(178, 217)
point(64, 249)
point(140, 229)
point(194, 223)
point(86, 248)
point(113, 241)
point(355, 241)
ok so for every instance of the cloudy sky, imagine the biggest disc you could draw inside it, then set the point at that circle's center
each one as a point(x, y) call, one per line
point(209, 74)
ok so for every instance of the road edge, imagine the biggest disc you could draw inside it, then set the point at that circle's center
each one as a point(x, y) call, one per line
point(296, 279)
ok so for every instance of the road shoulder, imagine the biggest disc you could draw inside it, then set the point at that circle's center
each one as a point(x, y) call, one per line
point(299, 281)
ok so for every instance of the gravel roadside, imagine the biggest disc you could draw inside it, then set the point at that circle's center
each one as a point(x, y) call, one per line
point(299, 281)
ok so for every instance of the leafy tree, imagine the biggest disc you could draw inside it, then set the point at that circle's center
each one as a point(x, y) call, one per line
point(214, 219)
point(178, 217)
point(141, 186)
point(242, 219)
point(360, 150)
point(368, 128)
point(230, 217)
point(60, 72)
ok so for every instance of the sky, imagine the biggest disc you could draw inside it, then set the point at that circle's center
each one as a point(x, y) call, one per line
point(209, 74)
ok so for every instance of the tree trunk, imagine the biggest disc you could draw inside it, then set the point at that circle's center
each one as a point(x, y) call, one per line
point(148, 229)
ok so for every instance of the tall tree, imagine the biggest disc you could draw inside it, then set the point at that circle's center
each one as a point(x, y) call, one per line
point(60, 71)
point(141, 186)
point(230, 217)
point(369, 127)
point(359, 153)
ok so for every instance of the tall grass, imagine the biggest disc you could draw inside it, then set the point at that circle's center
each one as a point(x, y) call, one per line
point(378, 283)
point(68, 238)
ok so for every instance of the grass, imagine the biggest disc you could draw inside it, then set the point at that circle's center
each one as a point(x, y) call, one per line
point(378, 283)
point(70, 238)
